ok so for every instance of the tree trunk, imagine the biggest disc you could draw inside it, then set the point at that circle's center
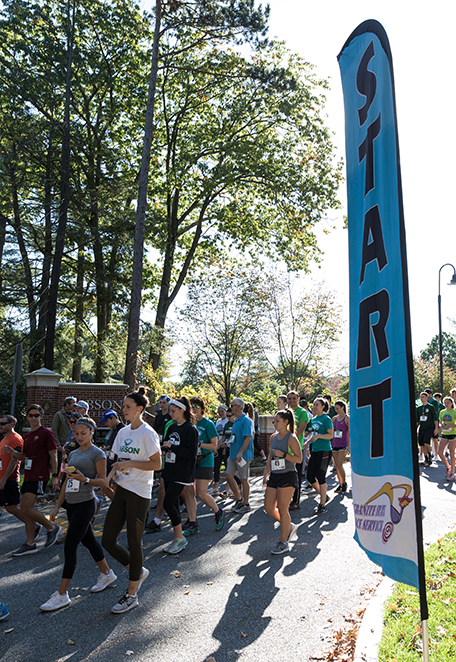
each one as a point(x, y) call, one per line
point(37, 352)
point(64, 198)
point(78, 318)
point(3, 221)
point(131, 361)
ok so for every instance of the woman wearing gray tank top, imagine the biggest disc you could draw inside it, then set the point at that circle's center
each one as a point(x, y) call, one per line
point(280, 476)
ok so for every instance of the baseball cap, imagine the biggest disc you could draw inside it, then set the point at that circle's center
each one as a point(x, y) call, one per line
point(110, 413)
point(83, 403)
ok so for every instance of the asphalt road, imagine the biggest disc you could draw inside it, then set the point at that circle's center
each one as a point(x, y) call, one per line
point(224, 596)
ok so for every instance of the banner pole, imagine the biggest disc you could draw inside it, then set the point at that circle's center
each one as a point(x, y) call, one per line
point(425, 640)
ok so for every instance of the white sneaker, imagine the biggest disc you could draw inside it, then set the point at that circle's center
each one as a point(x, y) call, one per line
point(103, 581)
point(143, 576)
point(56, 601)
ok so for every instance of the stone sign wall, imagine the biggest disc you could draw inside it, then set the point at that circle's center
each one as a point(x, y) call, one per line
point(45, 388)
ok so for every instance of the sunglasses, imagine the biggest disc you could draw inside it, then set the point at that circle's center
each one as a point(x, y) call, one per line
point(4, 423)
point(34, 415)
point(196, 407)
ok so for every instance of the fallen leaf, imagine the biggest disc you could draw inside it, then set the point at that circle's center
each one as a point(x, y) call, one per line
point(70, 642)
point(244, 634)
point(77, 596)
point(209, 583)
point(186, 592)
point(129, 653)
point(8, 631)
point(210, 659)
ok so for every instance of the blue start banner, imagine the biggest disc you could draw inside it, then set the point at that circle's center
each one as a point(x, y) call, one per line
point(382, 404)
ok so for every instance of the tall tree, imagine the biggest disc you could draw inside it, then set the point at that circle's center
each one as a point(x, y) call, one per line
point(64, 193)
point(220, 317)
point(227, 20)
point(242, 157)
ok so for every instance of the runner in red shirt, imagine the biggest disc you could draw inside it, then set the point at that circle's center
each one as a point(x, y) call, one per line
point(10, 495)
point(39, 451)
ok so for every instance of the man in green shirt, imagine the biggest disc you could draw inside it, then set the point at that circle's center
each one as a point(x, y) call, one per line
point(301, 419)
point(427, 421)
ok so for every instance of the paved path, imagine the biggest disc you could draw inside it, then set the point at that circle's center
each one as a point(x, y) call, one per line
point(225, 596)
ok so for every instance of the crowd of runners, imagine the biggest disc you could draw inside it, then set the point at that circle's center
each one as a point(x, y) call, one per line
point(186, 450)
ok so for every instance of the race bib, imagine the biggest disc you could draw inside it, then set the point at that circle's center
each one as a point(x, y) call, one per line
point(423, 417)
point(338, 433)
point(28, 463)
point(231, 439)
point(72, 485)
point(278, 463)
point(199, 450)
point(170, 457)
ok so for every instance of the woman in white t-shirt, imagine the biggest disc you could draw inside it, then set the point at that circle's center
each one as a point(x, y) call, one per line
point(136, 451)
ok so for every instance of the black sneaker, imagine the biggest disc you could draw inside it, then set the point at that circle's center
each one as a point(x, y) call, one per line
point(26, 549)
point(52, 536)
point(339, 488)
point(320, 509)
point(152, 527)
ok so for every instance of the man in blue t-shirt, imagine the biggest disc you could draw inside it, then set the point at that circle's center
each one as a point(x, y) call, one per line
point(241, 454)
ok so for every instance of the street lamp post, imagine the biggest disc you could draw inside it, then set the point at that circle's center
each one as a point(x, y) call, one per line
point(452, 282)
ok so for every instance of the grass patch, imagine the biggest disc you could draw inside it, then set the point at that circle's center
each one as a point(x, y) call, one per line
point(401, 641)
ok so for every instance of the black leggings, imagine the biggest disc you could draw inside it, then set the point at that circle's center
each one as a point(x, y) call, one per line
point(222, 455)
point(297, 493)
point(80, 530)
point(317, 467)
point(170, 504)
point(127, 507)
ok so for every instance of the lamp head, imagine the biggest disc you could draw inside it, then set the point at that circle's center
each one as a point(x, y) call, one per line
point(453, 279)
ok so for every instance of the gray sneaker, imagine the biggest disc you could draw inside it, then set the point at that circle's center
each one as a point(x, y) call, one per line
point(281, 548)
point(125, 603)
point(38, 529)
point(26, 549)
point(52, 536)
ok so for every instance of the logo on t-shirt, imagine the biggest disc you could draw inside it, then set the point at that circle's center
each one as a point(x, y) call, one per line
point(126, 448)
point(174, 438)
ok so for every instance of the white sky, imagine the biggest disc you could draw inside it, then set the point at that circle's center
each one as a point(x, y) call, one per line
point(421, 39)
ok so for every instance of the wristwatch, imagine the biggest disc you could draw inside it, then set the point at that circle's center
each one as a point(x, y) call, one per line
point(55, 475)
point(87, 480)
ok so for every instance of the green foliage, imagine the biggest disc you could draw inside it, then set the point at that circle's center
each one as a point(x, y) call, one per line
point(401, 638)
point(427, 375)
point(448, 350)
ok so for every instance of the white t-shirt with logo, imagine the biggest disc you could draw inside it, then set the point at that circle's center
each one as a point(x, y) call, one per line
point(139, 444)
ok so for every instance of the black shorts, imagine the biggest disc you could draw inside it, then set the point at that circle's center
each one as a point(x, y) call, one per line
point(10, 495)
point(204, 473)
point(448, 437)
point(288, 479)
point(425, 436)
point(341, 448)
point(33, 487)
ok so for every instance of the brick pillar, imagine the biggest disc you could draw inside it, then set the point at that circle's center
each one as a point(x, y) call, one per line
point(266, 429)
point(42, 389)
